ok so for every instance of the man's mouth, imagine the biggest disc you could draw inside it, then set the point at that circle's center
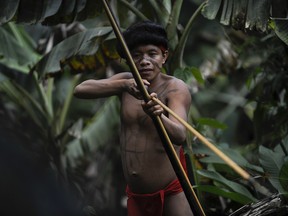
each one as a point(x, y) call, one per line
point(146, 70)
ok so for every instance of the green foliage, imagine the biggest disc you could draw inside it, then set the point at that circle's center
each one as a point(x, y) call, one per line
point(244, 14)
point(85, 43)
point(218, 191)
point(274, 170)
point(239, 14)
point(97, 132)
point(49, 12)
point(273, 162)
point(243, 92)
point(280, 27)
point(283, 176)
point(212, 123)
point(17, 49)
point(189, 73)
point(229, 185)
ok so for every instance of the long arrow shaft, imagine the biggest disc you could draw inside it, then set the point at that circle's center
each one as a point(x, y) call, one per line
point(224, 157)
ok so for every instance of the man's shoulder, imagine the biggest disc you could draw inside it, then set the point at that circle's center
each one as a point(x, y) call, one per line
point(176, 86)
point(175, 81)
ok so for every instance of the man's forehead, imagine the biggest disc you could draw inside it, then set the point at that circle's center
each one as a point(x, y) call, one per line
point(145, 48)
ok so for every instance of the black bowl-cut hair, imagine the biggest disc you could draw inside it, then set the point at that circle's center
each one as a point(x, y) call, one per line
point(144, 33)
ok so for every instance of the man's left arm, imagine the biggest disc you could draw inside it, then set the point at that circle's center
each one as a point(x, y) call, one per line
point(179, 101)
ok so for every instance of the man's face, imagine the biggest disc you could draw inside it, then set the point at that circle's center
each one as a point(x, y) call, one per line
point(149, 60)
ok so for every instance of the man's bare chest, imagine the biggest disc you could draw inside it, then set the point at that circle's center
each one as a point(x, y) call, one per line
point(132, 112)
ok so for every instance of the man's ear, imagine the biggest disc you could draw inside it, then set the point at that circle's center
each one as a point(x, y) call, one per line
point(165, 56)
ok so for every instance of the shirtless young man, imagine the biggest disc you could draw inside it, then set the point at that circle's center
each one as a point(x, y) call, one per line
point(152, 185)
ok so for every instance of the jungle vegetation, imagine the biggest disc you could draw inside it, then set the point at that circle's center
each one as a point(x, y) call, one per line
point(233, 55)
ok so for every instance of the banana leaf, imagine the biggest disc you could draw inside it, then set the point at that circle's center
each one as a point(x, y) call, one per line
point(240, 14)
point(30, 11)
point(8, 10)
point(48, 12)
point(104, 125)
point(16, 50)
point(281, 29)
point(25, 101)
point(83, 43)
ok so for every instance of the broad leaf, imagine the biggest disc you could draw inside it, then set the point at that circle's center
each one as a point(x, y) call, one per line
point(183, 74)
point(99, 131)
point(197, 75)
point(2, 77)
point(281, 29)
point(240, 14)
point(16, 52)
point(187, 73)
point(212, 123)
point(211, 9)
point(233, 186)
point(83, 43)
point(258, 14)
point(231, 153)
point(50, 12)
point(30, 11)
point(24, 100)
point(283, 175)
point(8, 10)
point(272, 163)
point(227, 12)
point(63, 112)
point(224, 193)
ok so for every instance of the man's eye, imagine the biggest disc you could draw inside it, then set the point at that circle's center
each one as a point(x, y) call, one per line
point(153, 54)
point(135, 55)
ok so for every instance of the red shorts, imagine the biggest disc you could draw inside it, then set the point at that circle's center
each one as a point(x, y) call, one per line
point(152, 204)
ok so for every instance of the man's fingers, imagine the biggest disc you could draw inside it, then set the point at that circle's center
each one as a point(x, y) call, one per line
point(157, 112)
point(152, 107)
point(153, 95)
point(146, 82)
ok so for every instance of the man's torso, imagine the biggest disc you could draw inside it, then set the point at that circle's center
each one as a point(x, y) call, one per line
point(145, 163)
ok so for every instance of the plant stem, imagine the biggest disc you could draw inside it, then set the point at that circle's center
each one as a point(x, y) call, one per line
point(134, 10)
point(181, 45)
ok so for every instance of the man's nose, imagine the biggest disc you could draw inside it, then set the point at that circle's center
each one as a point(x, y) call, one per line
point(144, 60)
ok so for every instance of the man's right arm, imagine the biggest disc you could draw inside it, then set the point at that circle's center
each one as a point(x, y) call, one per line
point(113, 85)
